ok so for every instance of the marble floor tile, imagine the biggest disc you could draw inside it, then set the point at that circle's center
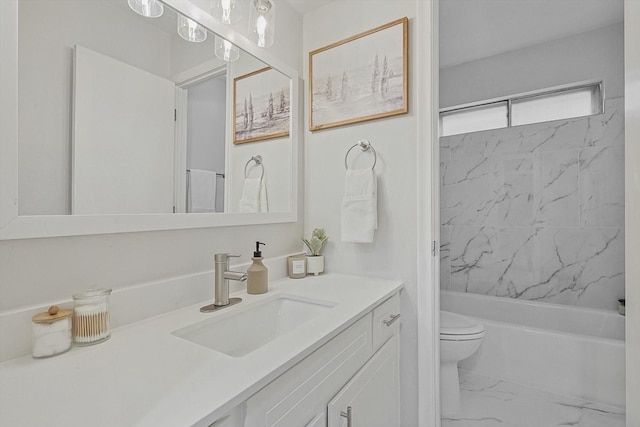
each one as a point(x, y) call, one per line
point(489, 402)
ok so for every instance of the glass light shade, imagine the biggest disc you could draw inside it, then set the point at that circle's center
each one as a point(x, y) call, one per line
point(190, 30)
point(262, 22)
point(226, 11)
point(225, 50)
point(148, 8)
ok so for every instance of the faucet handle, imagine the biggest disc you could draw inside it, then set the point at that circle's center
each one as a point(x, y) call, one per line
point(224, 257)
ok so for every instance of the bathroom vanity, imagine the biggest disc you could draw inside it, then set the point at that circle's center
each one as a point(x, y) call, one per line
point(310, 352)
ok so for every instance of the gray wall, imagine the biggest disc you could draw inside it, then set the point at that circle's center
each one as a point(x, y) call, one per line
point(596, 54)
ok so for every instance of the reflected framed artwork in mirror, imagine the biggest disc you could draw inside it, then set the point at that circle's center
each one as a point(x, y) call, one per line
point(261, 106)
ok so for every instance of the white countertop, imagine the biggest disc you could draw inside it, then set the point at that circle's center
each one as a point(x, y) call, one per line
point(145, 376)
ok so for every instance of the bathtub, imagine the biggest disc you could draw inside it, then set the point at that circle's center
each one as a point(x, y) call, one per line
point(567, 350)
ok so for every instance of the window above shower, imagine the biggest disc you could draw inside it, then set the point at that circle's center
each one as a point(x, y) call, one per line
point(569, 101)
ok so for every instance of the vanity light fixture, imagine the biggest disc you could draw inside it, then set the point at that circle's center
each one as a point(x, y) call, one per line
point(147, 8)
point(262, 22)
point(225, 50)
point(226, 11)
point(190, 30)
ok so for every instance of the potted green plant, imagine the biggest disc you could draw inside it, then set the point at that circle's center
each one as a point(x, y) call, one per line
point(315, 259)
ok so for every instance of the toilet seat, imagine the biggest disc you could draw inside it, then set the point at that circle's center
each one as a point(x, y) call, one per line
point(454, 327)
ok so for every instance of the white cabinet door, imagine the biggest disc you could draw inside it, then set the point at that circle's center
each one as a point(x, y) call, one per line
point(319, 420)
point(297, 397)
point(372, 394)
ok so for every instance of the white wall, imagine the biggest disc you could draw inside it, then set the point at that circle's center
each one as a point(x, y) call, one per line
point(632, 206)
point(595, 54)
point(47, 33)
point(36, 272)
point(187, 55)
point(393, 253)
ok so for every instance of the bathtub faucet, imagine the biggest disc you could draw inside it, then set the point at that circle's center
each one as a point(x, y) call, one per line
point(222, 277)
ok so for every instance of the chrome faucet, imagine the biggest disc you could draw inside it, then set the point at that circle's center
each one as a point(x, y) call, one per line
point(223, 275)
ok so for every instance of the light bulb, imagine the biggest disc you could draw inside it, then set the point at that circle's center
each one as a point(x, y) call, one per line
point(261, 26)
point(147, 8)
point(262, 22)
point(226, 11)
point(190, 30)
point(227, 50)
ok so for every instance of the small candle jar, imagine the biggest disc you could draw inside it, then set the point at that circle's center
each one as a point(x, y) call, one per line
point(297, 266)
point(91, 317)
point(51, 332)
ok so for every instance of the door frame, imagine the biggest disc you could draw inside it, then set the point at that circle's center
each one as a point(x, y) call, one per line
point(632, 207)
point(184, 80)
point(428, 216)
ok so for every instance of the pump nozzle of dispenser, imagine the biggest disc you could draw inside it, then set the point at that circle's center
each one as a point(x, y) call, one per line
point(257, 253)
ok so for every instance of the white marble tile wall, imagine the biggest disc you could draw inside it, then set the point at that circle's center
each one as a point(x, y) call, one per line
point(537, 211)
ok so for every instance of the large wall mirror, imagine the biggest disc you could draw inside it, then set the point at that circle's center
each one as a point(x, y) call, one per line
point(125, 125)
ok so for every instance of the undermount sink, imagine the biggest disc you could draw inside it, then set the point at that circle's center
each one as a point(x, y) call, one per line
point(252, 327)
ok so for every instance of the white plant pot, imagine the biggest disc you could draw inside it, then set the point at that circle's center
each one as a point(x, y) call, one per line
point(315, 264)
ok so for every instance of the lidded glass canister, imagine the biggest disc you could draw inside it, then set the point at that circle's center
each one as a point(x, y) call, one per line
point(51, 332)
point(91, 317)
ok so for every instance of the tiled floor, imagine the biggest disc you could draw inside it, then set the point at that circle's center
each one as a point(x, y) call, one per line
point(489, 402)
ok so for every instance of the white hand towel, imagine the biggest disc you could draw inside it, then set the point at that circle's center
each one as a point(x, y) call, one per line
point(254, 196)
point(359, 214)
point(201, 196)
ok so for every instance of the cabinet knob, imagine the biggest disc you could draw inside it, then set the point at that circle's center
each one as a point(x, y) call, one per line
point(394, 317)
point(347, 415)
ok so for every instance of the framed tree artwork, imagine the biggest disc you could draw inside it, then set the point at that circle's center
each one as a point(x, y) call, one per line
point(364, 77)
point(261, 106)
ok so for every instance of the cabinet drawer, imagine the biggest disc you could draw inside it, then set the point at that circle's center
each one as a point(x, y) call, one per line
point(386, 321)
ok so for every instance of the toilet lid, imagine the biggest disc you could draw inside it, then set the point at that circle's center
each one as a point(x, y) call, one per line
point(455, 324)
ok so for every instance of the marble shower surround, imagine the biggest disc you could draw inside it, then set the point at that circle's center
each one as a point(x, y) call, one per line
point(537, 211)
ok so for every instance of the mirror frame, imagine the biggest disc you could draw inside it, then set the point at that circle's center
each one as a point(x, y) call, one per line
point(14, 226)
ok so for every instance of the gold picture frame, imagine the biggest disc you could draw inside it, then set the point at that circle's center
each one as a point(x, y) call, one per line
point(261, 106)
point(364, 77)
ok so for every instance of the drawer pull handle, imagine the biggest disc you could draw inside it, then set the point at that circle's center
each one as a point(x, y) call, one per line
point(394, 317)
point(347, 415)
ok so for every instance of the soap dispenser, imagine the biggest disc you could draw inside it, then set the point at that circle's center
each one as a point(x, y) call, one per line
point(257, 277)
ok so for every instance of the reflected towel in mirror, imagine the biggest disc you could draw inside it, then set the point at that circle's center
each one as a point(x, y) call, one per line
point(254, 196)
point(201, 191)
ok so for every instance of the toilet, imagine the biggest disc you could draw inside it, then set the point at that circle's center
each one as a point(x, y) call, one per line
point(460, 337)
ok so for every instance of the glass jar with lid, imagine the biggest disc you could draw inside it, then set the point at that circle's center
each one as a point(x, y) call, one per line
point(91, 317)
point(51, 332)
